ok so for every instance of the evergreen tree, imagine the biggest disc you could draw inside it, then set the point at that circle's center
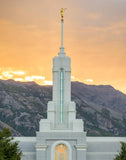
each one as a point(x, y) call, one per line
point(8, 149)
point(122, 153)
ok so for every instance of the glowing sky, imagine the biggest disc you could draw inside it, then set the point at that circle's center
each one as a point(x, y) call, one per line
point(94, 38)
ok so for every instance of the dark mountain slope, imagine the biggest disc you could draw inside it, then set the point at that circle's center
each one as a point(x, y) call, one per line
point(22, 105)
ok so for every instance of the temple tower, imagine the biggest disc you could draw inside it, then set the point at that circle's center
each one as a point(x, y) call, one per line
point(61, 135)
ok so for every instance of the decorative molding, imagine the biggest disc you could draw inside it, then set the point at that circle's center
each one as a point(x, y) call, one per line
point(29, 153)
point(105, 139)
point(41, 147)
point(25, 139)
point(81, 147)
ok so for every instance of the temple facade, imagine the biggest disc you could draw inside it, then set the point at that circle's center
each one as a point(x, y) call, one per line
point(61, 136)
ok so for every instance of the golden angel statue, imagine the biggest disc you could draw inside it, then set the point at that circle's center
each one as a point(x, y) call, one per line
point(62, 13)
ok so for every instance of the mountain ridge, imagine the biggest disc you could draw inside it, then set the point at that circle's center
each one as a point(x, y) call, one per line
point(23, 104)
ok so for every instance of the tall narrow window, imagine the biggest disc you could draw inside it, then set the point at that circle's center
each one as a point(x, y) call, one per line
point(61, 152)
point(61, 95)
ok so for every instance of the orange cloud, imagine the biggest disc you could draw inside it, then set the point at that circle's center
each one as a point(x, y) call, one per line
point(1, 77)
point(73, 78)
point(19, 79)
point(47, 82)
point(33, 78)
point(89, 80)
point(7, 74)
point(17, 72)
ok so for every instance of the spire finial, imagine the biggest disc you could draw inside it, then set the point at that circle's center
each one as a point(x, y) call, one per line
point(62, 19)
point(62, 13)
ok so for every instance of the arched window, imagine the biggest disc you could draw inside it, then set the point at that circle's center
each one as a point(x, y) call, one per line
point(61, 152)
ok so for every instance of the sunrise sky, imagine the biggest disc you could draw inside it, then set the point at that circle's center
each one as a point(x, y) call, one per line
point(94, 38)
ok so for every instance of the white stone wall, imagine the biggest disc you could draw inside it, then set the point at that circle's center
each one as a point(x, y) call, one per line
point(103, 148)
point(27, 146)
point(98, 148)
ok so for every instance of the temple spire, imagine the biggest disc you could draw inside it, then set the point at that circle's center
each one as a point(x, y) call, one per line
point(62, 20)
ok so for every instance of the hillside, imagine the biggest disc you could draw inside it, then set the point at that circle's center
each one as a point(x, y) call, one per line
point(23, 104)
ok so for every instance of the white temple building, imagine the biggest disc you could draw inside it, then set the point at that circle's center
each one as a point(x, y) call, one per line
point(61, 136)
